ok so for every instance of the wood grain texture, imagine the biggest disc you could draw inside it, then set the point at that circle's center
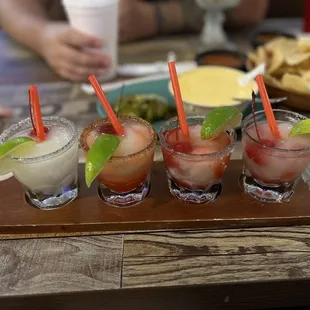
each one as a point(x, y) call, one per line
point(41, 266)
point(159, 211)
point(220, 256)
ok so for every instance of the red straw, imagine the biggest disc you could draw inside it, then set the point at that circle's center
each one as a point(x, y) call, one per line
point(267, 106)
point(106, 105)
point(37, 115)
point(178, 98)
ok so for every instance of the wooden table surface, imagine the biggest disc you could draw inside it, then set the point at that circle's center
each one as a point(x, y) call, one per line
point(211, 269)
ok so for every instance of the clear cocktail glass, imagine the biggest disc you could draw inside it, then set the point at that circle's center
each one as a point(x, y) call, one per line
point(125, 178)
point(272, 167)
point(195, 168)
point(48, 171)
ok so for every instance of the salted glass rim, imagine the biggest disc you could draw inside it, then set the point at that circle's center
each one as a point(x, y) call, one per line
point(95, 124)
point(228, 149)
point(297, 116)
point(15, 128)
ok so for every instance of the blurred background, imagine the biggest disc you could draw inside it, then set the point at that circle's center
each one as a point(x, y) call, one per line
point(57, 46)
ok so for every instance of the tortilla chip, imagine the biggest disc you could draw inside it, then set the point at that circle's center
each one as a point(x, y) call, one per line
point(303, 46)
point(270, 80)
point(296, 58)
point(279, 41)
point(282, 44)
point(275, 61)
point(253, 59)
point(287, 64)
point(286, 69)
point(295, 83)
point(305, 75)
point(261, 55)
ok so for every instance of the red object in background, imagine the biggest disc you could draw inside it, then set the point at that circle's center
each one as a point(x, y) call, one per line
point(307, 16)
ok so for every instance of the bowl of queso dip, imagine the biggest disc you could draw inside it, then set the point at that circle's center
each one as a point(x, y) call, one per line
point(209, 87)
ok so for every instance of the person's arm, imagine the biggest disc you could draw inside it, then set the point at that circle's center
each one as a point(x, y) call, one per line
point(72, 54)
point(24, 21)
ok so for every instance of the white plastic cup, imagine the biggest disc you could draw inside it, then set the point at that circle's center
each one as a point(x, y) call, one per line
point(100, 19)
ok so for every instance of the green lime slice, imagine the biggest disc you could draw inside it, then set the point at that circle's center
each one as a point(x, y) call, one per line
point(301, 128)
point(98, 155)
point(15, 147)
point(218, 120)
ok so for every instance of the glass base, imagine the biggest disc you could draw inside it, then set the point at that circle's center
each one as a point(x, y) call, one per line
point(195, 197)
point(267, 193)
point(48, 202)
point(124, 199)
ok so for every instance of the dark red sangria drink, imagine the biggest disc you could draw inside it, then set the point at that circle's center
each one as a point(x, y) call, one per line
point(195, 165)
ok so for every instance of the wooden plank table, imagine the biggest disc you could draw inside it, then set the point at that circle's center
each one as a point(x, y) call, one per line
point(210, 269)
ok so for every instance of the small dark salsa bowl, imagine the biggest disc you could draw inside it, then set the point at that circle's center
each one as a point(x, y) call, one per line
point(262, 37)
point(226, 58)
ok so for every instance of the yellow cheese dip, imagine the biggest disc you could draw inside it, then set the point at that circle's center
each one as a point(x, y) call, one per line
point(214, 86)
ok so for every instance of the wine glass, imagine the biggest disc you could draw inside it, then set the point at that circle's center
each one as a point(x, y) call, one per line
point(213, 34)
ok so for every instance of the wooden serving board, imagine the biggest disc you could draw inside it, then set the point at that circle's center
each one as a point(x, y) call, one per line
point(160, 211)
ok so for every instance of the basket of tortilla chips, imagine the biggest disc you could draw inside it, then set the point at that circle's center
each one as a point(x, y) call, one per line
point(287, 70)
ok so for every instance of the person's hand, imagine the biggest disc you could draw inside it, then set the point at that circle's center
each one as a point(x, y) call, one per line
point(71, 54)
point(137, 20)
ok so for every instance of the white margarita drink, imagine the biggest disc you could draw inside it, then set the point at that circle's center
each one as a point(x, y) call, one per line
point(125, 178)
point(48, 170)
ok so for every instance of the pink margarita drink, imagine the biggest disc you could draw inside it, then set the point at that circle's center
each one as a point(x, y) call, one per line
point(195, 166)
point(127, 173)
point(274, 162)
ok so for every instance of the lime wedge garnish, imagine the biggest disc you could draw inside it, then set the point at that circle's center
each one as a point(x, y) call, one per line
point(301, 128)
point(14, 147)
point(218, 120)
point(98, 155)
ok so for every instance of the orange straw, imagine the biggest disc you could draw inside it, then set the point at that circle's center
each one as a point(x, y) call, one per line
point(267, 106)
point(178, 98)
point(106, 105)
point(37, 115)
